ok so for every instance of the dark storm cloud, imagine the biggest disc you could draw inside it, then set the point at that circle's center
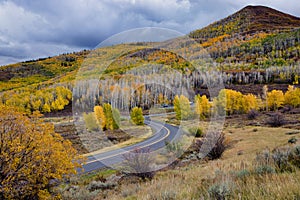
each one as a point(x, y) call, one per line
point(39, 28)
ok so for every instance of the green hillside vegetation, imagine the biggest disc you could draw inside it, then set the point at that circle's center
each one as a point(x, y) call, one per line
point(260, 52)
point(41, 71)
point(146, 56)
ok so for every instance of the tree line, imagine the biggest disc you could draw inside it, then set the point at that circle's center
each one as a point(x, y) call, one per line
point(232, 102)
point(44, 100)
point(107, 118)
point(145, 88)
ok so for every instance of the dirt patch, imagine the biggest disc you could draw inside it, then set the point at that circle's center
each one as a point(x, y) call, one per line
point(68, 131)
point(85, 142)
point(117, 136)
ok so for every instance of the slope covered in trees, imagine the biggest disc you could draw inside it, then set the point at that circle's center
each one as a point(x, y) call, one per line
point(256, 45)
point(41, 71)
point(254, 37)
point(249, 20)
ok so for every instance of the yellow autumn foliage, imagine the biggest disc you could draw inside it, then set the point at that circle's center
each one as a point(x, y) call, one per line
point(275, 99)
point(100, 116)
point(32, 156)
point(202, 106)
point(182, 107)
point(234, 102)
point(292, 96)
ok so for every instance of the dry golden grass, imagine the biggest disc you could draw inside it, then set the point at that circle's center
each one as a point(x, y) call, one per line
point(251, 140)
point(194, 180)
point(275, 186)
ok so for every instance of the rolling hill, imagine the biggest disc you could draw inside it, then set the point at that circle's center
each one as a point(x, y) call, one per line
point(249, 20)
point(254, 45)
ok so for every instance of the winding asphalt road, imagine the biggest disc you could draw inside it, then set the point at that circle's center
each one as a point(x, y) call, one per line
point(163, 133)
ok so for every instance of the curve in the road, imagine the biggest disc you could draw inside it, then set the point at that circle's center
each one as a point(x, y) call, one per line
point(164, 132)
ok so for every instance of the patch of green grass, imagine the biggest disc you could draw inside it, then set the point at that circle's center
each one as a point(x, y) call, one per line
point(96, 176)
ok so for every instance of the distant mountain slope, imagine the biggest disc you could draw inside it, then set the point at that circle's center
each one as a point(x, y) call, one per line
point(255, 45)
point(249, 20)
point(256, 37)
point(42, 70)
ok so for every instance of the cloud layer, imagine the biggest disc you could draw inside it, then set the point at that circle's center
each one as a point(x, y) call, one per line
point(39, 28)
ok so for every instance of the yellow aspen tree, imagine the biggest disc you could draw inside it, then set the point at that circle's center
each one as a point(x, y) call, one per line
point(261, 105)
point(249, 103)
point(36, 104)
point(100, 116)
point(205, 106)
point(177, 109)
point(160, 98)
point(202, 106)
point(234, 101)
point(292, 96)
point(275, 99)
point(46, 108)
point(184, 107)
point(197, 102)
point(112, 117)
point(219, 103)
point(136, 116)
point(108, 116)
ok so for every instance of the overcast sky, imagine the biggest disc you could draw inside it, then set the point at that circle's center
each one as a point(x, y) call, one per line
point(38, 28)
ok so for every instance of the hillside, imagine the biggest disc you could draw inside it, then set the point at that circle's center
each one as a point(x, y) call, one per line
point(255, 45)
point(42, 71)
point(249, 20)
point(256, 37)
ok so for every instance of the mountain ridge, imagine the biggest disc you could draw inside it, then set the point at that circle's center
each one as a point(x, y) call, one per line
point(249, 20)
point(231, 51)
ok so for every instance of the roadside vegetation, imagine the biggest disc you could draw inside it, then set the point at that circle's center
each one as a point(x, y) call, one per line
point(33, 157)
point(251, 166)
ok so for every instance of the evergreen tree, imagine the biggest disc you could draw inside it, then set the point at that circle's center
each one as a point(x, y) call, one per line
point(116, 118)
point(112, 117)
